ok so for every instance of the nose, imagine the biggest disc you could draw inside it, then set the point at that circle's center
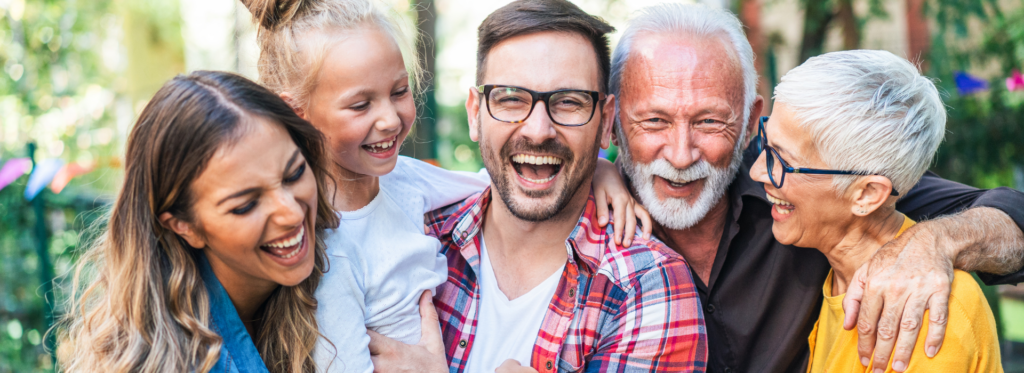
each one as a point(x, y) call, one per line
point(758, 171)
point(682, 152)
point(538, 127)
point(388, 121)
point(288, 212)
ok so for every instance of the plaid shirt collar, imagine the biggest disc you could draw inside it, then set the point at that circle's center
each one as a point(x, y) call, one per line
point(465, 224)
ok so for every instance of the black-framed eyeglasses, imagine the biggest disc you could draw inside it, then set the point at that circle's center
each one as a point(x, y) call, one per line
point(777, 170)
point(566, 107)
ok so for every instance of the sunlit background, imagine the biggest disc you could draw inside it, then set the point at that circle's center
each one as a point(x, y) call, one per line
point(77, 72)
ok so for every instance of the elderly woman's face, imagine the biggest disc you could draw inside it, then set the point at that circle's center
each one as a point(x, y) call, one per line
point(807, 206)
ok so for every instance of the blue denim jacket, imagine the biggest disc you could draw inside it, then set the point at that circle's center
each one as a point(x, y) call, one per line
point(238, 353)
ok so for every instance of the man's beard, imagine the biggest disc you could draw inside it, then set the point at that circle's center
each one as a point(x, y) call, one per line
point(677, 213)
point(572, 174)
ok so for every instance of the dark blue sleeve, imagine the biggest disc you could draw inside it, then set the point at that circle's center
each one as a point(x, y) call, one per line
point(934, 196)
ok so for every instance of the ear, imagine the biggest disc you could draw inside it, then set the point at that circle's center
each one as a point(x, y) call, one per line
point(869, 194)
point(182, 229)
point(755, 116)
point(291, 101)
point(472, 114)
point(607, 121)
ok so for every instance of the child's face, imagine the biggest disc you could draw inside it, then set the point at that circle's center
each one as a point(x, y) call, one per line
point(363, 102)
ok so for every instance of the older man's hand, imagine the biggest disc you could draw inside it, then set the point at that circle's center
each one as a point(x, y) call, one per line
point(512, 366)
point(888, 297)
point(391, 356)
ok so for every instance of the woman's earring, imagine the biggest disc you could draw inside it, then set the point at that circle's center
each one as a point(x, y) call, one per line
point(862, 211)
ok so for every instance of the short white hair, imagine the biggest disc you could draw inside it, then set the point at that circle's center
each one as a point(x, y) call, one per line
point(868, 111)
point(698, 21)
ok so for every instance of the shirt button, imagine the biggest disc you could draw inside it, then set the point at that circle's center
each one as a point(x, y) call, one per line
point(572, 292)
point(462, 343)
point(710, 308)
point(728, 370)
point(548, 365)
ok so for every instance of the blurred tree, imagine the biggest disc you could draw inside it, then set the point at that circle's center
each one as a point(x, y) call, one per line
point(68, 84)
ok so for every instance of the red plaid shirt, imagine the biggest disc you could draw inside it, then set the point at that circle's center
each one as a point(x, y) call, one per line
point(615, 309)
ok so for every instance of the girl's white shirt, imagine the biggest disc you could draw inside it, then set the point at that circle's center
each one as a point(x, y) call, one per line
point(380, 261)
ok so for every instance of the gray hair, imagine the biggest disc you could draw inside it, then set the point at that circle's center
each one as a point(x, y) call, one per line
point(867, 111)
point(697, 20)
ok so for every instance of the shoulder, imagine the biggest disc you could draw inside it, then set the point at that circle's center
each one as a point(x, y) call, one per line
point(442, 220)
point(646, 265)
point(970, 316)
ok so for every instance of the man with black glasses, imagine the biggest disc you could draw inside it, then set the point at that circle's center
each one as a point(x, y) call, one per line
point(534, 284)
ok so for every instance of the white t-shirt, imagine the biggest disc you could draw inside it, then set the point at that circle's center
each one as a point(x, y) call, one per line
point(380, 262)
point(507, 329)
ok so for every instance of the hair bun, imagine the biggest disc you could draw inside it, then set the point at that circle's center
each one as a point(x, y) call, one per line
point(271, 13)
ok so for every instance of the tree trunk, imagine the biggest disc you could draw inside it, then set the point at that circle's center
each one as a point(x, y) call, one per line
point(422, 141)
point(848, 21)
point(817, 16)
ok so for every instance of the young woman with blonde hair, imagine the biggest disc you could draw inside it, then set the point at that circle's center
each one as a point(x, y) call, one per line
point(212, 254)
point(348, 67)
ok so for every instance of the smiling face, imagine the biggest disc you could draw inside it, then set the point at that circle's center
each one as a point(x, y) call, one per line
point(255, 209)
point(806, 209)
point(537, 166)
point(682, 119)
point(363, 102)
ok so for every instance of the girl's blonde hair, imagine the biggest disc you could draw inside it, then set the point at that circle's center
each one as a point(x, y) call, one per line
point(137, 301)
point(294, 36)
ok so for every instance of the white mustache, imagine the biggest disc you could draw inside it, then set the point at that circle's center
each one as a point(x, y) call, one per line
point(699, 170)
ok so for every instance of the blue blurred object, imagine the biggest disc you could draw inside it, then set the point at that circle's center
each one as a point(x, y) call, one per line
point(967, 84)
point(41, 176)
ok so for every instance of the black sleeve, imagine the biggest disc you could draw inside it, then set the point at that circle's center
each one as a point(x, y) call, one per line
point(934, 196)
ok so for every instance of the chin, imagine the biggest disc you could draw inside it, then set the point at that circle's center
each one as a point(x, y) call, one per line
point(782, 235)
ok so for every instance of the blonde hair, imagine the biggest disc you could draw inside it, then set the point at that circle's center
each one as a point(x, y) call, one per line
point(294, 36)
point(137, 300)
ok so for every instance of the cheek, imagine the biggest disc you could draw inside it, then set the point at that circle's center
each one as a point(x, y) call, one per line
point(717, 149)
point(406, 107)
point(644, 147)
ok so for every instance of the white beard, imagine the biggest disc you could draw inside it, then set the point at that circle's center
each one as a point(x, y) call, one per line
point(677, 213)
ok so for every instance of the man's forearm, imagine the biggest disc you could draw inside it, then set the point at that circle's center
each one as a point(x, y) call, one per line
point(983, 239)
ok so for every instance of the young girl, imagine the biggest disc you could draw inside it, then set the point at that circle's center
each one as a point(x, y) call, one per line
point(210, 259)
point(340, 65)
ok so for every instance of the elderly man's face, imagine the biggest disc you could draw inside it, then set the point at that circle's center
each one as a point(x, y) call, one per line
point(537, 166)
point(682, 116)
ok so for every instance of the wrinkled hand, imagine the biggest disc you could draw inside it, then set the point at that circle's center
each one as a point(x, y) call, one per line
point(609, 189)
point(888, 296)
point(389, 355)
point(512, 366)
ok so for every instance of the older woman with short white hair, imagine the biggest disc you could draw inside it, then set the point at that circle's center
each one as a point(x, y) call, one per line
point(849, 131)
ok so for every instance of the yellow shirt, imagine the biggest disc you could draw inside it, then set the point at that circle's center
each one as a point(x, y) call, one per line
point(970, 344)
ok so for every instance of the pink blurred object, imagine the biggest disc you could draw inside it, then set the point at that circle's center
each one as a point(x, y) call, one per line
point(1015, 82)
point(68, 172)
point(14, 169)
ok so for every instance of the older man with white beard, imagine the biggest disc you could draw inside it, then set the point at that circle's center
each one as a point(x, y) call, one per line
point(686, 83)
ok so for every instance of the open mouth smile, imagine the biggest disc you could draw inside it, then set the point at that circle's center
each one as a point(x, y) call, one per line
point(537, 169)
point(287, 247)
point(384, 148)
point(780, 205)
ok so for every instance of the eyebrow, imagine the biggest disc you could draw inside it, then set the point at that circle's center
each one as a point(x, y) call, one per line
point(243, 192)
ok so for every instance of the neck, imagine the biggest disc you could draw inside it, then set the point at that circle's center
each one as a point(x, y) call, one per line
point(246, 294)
point(524, 253)
point(855, 245)
point(353, 191)
point(698, 244)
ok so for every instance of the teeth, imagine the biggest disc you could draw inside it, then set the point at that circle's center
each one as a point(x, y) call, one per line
point(537, 160)
point(289, 242)
point(780, 205)
point(538, 181)
point(382, 145)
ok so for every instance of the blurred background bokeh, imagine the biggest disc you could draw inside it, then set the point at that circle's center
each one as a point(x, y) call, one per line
point(77, 72)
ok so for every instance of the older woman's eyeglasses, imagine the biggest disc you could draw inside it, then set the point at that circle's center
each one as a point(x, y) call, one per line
point(777, 170)
point(566, 107)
